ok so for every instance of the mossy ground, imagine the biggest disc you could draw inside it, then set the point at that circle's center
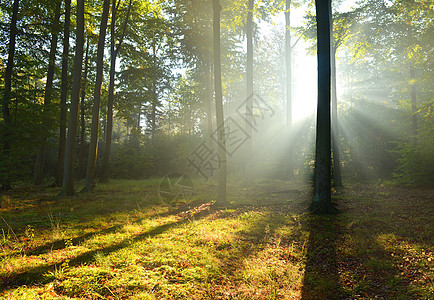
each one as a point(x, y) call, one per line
point(121, 242)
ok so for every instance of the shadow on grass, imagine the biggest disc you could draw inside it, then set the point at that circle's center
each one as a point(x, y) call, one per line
point(321, 277)
point(35, 275)
point(346, 258)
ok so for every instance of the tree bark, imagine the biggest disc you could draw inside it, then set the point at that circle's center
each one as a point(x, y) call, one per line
point(68, 175)
point(63, 95)
point(209, 96)
point(105, 170)
point(82, 149)
point(40, 157)
point(322, 197)
point(288, 84)
point(337, 176)
point(288, 64)
point(248, 167)
point(413, 101)
point(93, 146)
point(7, 95)
point(221, 189)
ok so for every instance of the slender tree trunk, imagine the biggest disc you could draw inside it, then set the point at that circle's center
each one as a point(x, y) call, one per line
point(7, 95)
point(337, 176)
point(68, 175)
point(413, 101)
point(322, 198)
point(288, 64)
point(221, 189)
point(82, 150)
point(40, 157)
point(288, 84)
point(209, 97)
point(93, 146)
point(105, 170)
point(63, 95)
point(248, 167)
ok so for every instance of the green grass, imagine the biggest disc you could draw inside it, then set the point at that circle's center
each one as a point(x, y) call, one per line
point(122, 242)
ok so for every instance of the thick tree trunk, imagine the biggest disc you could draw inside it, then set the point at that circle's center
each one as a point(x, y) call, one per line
point(40, 157)
point(63, 95)
point(7, 95)
point(81, 173)
point(105, 170)
point(221, 189)
point(248, 167)
point(68, 175)
point(413, 101)
point(93, 146)
point(322, 198)
point(337, 176)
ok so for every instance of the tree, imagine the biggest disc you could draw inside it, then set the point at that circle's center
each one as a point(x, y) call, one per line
point(114, 50)
point(249, 168)
point(40, 158)
point(221, 189)
point(7, 95)
point(288, 64)
point(93, 147)
point(81, 173)
point(68, 175)
point(322, 197)
point(63, 95)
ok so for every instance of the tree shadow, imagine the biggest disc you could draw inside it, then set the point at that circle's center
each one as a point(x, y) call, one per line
point(321, 278)
point(347, 257)
point(35, 276)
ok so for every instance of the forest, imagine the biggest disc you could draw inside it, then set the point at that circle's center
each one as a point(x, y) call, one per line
point(216, 149)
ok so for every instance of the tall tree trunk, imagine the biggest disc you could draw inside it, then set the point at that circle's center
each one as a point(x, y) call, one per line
point(288, 84)
point(221, 189)
point(322, 197)
point(93, 146)
point(337, 176)
point(413, 101)
point(105, 170)
point(40, 157)
point(82, 149)
point(209, 96)
point(248, 167)
point(7, 95)
point(288, 64)
point(68, 174)
point(63, 95)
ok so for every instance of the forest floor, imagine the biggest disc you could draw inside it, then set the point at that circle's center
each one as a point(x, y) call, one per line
point(122, 242)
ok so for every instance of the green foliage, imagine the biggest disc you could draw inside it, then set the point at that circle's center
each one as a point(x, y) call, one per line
point(415, 163)
point(132, 159)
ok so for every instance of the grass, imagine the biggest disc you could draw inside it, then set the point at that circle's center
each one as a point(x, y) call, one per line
point(122, 242)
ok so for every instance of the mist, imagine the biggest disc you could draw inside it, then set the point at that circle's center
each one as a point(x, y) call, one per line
point(218, 149)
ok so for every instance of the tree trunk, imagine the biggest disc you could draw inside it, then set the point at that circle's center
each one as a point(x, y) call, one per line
point(248, 167)
point(209, 97)
point(413, 101)
point(40, 157)
point(322, 198)
point(337, 176)
point(221, 189)
point(68, 175)
point(93, 146)
point(288, 84)
point(105, 171)
point(63, 95)
point(7, 95)
point(82, 149)
point(288, 64)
